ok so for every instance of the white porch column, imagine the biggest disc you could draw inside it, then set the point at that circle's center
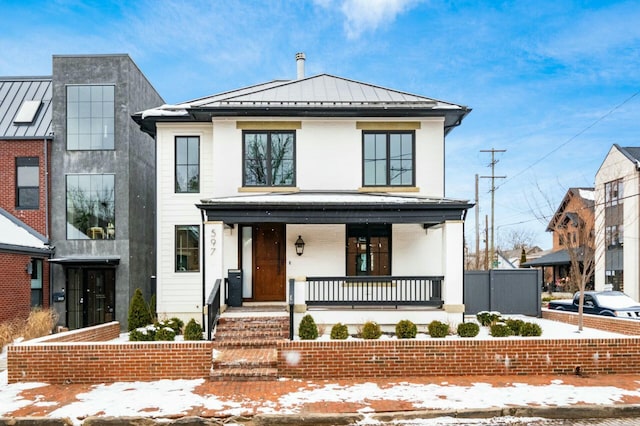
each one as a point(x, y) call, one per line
point(213, 258)
point(453, 258)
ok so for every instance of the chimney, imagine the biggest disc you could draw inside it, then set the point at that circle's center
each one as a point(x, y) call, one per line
point(300, 64)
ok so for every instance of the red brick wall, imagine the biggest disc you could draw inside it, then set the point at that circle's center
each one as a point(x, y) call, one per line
point(391, 358)
point(9, 150)
point(57, 362)
point(615, 325)
point(15, 286)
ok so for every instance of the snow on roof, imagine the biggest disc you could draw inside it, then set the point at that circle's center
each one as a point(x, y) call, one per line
point(587, 194)
point(329, 198)
point(16, 233)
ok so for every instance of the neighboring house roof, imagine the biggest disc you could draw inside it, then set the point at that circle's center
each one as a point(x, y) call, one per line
point(25, 108)
point(631, 152)
point(586, 195)
point(16, 236)
point(322, 95)
point(560, 257)
point(333, 207)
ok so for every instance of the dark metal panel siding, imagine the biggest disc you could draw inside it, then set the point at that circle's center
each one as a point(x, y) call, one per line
point(13, 92)
point(508, 291)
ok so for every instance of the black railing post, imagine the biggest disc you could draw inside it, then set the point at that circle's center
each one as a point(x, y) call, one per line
point(292, 285)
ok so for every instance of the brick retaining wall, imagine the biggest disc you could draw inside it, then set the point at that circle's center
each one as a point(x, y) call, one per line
point(615, 325)
point(396, 358)
point(79, 356)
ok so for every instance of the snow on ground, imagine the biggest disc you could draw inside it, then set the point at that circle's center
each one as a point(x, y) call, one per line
point(171, 397)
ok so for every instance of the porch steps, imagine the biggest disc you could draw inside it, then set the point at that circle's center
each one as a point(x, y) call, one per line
point(245, 348)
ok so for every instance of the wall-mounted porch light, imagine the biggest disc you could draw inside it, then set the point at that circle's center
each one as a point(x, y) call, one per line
point(299, 246)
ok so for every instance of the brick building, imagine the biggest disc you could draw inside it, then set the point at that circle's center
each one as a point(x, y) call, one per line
point(25, 146)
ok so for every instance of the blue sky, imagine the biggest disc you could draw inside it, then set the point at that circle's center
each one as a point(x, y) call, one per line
point(554, 83)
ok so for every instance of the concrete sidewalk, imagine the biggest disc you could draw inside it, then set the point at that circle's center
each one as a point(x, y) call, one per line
point(325, 402)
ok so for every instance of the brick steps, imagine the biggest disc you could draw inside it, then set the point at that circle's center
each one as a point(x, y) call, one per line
point(245, 348)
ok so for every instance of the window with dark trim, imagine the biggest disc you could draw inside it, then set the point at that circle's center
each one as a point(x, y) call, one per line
point(91, 209)
point(90, 117)
point(27, 183)
point(368, 250)
point(268, 158)
point(187, 164)
point(36, 283)
point(388, 158)
point(187, 248)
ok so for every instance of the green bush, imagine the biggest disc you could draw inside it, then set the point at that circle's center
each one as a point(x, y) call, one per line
point(138, 311)
point(530, 329)
point(193, 330)
point(308, 329)
point(165, 334)
point(487, 318)
point(468, 329)
point(152, 308)
point(406, 329)
point(515, 325)
point(501, 330)
point(143, 334)
point(339, 331)
point(438, 329)
point(174, 323)
point(371, 330)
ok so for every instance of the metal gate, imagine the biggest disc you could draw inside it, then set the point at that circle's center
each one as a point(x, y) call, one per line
point(508, 291)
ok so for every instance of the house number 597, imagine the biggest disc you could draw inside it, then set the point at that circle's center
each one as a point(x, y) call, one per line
point(213, 241)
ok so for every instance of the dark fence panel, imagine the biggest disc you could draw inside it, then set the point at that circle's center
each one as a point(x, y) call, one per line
point(508, 291)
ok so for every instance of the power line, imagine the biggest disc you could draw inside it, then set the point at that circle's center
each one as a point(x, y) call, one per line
point(572, 138)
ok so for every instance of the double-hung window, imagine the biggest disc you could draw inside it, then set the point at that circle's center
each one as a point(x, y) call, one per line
point(388, 158)
point(269, 158)
point(27, 183)
point(187, 164)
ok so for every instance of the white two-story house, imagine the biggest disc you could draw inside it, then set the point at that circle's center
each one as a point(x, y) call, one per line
point(322, 185)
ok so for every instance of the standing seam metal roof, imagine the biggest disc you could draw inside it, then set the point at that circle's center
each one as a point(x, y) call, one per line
point(13, 92)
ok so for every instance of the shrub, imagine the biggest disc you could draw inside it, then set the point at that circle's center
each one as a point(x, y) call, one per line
point(165, 334)
point(339, 331)
point(515, 325)
point(530, 329)
point(308, 329)
point(501, 330)
point(371, 330)
point(152, 308)
point(193, 330)
point(487, 318)
point(468, 329)
point(138, 311)
point(438, 329)
point(406, 329)
point(143, 334)
point(174, 324)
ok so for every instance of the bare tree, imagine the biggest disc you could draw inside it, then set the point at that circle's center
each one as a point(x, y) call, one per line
point(516, 239)
point(573, 225)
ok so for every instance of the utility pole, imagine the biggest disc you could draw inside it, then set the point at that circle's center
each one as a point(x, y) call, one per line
point(493, 178)
point(477, 208)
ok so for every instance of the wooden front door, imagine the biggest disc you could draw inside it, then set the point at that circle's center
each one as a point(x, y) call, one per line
point(269, 263)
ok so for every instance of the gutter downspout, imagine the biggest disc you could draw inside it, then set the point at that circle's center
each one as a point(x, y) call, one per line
point(202, 268)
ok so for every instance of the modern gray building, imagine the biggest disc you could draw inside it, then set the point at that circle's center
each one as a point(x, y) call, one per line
point(102, 188)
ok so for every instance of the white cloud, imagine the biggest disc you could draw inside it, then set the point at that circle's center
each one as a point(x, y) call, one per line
point(368, 15)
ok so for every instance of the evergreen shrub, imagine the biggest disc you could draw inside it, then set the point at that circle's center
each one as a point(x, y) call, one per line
point(406, 329)
point(193, 330)
point(530, 329)
point(468, 329)
point(339, 332)
point(138, 311)
point(371, 330)
point(308, 329)
point(486, 318)
point(438, 329)
point(501, 330)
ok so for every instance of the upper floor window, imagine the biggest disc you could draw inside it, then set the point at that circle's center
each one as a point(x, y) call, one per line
point(91, 206)
point(27, 183)
point(269, 158)
point(388, 159)
point(613, 193)
point(90, 117)
point(187, 164)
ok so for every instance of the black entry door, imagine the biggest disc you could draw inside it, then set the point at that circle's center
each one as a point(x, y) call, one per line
point(90, 296)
